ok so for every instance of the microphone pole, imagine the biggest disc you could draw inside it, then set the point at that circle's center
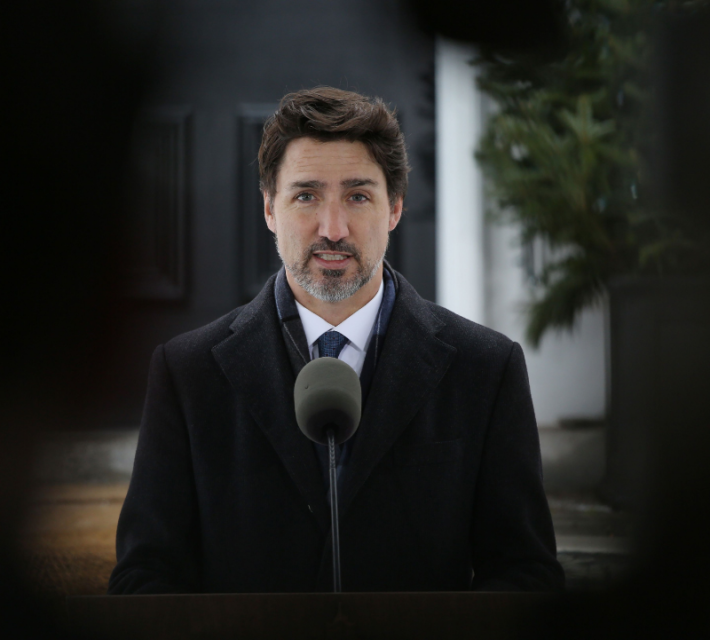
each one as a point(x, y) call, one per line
point(334, 524)
point(327, 399)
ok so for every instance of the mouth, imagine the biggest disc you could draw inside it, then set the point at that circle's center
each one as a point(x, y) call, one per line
point(332, 259)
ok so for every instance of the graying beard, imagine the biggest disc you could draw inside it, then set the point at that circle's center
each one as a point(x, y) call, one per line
point(332, 290)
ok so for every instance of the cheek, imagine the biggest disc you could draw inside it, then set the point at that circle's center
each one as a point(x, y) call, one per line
point(379, 234)
point(271, 223)
point(292, 236)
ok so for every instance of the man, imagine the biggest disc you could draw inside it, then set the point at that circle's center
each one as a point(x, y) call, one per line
point(440, 488)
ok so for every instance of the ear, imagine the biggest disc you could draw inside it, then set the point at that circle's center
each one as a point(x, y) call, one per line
point(396, 212)
point(268, 213)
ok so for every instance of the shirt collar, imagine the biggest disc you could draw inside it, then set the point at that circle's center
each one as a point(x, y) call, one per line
point(356, 328)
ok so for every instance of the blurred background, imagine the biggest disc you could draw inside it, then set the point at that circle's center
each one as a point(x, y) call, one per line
point(554, 196)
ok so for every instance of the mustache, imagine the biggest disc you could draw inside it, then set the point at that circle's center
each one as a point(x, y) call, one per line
point(328, 245)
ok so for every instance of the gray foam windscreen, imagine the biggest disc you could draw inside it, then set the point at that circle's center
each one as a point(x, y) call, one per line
point(326, 395)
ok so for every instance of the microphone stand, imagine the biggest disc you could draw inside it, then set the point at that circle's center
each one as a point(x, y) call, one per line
point(334, 512)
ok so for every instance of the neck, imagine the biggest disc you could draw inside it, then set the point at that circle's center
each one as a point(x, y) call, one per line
point(336, 312)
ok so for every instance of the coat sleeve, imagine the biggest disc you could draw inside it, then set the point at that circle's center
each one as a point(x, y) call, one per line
point(157, 540)
point(513, 541)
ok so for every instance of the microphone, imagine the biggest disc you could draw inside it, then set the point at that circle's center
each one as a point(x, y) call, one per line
point(328, 398)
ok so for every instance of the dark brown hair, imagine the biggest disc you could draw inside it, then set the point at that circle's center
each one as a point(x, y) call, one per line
point(329, 114)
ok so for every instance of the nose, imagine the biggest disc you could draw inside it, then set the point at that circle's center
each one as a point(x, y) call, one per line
point(333, 221)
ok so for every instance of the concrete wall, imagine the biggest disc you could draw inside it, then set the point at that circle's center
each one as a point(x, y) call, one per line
point(479, 272)
point(460, 268)
point(567, 372)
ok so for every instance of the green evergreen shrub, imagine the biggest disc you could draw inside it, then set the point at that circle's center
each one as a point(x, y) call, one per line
point(567, 155)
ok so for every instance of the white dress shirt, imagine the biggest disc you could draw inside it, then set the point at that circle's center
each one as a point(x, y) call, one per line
point(358, 329)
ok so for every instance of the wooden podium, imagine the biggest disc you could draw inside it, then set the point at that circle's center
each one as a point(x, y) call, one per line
point(435, 616)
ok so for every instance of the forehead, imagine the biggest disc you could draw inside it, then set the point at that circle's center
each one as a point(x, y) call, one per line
point(306, 158)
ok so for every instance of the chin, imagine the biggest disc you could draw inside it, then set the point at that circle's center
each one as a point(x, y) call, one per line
point(333, 273)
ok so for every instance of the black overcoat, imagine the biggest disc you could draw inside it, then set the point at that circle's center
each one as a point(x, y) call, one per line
point(444, 485)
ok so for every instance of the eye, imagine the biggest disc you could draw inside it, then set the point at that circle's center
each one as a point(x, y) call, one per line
point(359, 197)
point(305, 197)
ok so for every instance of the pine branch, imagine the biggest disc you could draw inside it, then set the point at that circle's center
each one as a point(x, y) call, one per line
point(565, 157)
point(577, 287)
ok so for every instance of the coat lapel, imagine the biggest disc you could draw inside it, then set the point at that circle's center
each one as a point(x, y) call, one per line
point(412, 364)
point(255, 361)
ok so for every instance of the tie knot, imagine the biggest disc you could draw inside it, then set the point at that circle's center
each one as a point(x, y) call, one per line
point(330, 344)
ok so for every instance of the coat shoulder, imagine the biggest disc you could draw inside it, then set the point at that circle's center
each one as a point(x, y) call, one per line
point(467, 335)
point(205, 337)
point(190, 353)
point(198, 343)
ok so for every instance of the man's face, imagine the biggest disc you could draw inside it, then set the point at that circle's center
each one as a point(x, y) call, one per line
point(331, 216)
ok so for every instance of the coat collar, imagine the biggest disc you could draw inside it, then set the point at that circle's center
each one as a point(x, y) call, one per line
point(412, 364)
point(256, 363)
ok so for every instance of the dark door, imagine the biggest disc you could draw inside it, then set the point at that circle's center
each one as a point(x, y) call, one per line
point(198, 243)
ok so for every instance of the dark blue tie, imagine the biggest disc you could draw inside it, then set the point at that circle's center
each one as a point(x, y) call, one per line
point(330, 344)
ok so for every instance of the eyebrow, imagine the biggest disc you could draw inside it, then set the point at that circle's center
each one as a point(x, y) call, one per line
point(358, 182)
point(348, 184)
point(307, 184)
